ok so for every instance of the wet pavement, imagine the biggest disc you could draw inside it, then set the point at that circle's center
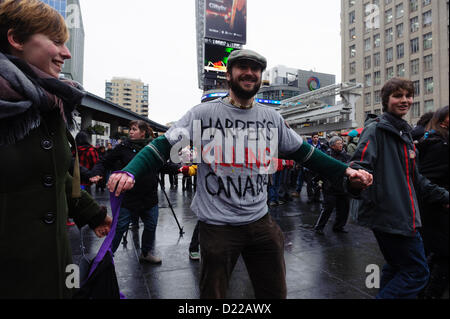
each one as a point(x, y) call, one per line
point(330, 266)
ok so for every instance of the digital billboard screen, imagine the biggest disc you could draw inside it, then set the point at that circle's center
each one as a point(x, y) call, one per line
point(226, 20)
point(216, 57)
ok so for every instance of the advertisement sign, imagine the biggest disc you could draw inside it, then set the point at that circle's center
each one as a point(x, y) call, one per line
point(226, 20)
point(216, 57)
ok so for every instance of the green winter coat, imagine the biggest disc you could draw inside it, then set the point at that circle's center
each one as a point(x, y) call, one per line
point(35, 202)
point(35, 185)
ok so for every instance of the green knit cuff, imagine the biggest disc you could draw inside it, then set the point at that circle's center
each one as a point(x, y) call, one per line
point(318, 161)
point(151, 157)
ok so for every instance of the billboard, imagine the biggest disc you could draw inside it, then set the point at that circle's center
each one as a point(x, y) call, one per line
point(216, 57)
point(226, 20)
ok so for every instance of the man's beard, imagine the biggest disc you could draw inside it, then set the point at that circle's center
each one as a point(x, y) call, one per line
point(241, 92)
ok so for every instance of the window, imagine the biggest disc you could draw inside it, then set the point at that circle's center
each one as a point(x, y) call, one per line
point(351, 3)
point(413, 5)
point(367, 62)
point(377, 111)
point(401, 70)
point(367, 99)
point(428, 85)
point(387, 1)
point(414, 66)
point(388, 16)
point(367, 44)
point(377, 97)
point(400, 50)
point(426, 2)
point(415, 109)
point(414, 23)
point(427, 18)
point(376, 40)
point(352, 34)
point(389, 55)
point(428, 63)
point(376, 59)
point(428, 106)
point(427, 41)
point(352, 51)
point(352, 68)
point(416, 88)
point(415, 45)
point(368, 80)
point(399, 29)
point(388, 35)
point(377, 78)
point(399, 11)
point(351, 17)
point(389, 73)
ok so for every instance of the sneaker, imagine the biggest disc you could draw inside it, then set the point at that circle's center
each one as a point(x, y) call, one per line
point(281, 202)
point(319, 231)
point(273, 204)
point(194, 255)
point(150, 258)
point(295, 194)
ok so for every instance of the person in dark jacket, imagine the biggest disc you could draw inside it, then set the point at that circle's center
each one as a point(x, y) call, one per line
point(333, 197)
point(88, 155)
point(389, 207)
point(433, 163)
point(142, 200)
point(311, 177)
point(37, 193)
point(419, 130)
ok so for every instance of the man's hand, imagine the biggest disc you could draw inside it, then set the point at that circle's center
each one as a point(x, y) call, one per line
point(359, 179)
point(95, 179)
point(103, 229)
point(123, 182)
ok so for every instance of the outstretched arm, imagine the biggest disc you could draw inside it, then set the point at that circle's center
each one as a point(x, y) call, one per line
point(151, 157)
point(329, 167)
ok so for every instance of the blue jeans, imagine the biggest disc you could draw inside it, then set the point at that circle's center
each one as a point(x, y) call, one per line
point(299, 181)
point(149, 218)
point(406, 271)
point(273, 189)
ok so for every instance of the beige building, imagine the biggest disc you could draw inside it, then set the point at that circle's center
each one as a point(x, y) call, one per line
point(406, 38)
point(131, 94)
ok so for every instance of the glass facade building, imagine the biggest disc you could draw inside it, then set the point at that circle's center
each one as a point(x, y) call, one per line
point(59, 5)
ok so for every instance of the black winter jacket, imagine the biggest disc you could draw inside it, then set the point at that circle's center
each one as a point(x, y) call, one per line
point(390, 204)
point(144, 194)
point(328, 186)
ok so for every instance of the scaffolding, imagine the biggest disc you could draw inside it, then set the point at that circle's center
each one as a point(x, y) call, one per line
point(306, 113)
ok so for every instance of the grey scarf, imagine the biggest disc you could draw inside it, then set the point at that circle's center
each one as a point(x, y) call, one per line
point(38, 92)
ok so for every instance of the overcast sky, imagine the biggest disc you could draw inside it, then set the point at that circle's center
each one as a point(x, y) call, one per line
point(155, 41)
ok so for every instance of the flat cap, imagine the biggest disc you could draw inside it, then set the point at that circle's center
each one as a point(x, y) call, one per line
point(245, 54)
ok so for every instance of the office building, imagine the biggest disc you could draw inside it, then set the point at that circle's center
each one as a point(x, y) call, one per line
point(405, 38)
point(131, 94)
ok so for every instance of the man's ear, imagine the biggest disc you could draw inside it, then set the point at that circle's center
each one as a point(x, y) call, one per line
point(13, 42)
point(228, 76)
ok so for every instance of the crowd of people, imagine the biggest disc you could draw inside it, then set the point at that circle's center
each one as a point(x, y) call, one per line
point(387, 180)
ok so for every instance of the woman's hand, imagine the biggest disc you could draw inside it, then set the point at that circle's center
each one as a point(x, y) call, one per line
point(95, 179)
point(122, 181)
point(103, 229)
point(359, 179)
